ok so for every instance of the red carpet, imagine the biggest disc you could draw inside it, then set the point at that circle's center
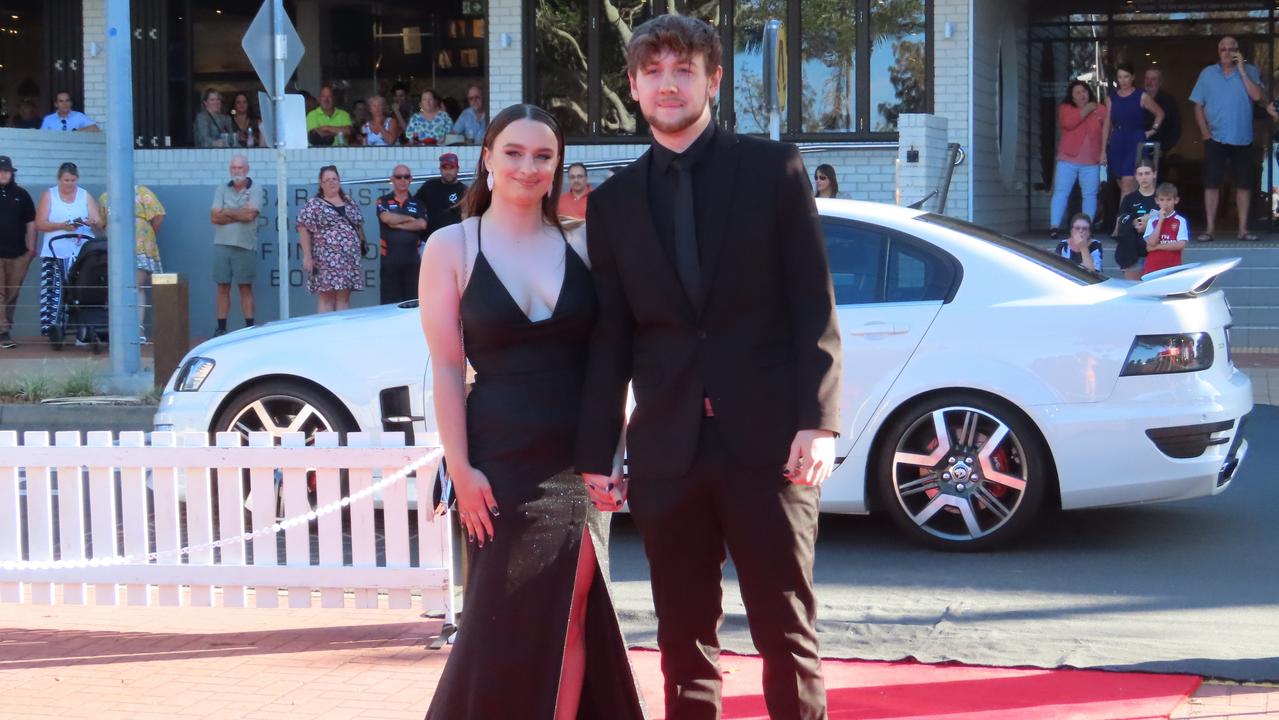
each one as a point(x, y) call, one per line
point(900, 690)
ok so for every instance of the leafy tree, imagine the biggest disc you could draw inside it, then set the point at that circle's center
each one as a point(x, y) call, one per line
point(908, 77)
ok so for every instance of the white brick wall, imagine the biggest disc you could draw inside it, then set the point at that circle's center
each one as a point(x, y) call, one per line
point(506, 76)
point(951, 87)
point(95, 68)
point(38, 153)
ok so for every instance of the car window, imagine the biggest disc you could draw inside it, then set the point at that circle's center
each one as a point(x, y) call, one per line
point(1040, 256)
point(915, 274)
point(857, 262)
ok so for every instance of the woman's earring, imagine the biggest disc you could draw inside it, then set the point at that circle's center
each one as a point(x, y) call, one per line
point(489, 181)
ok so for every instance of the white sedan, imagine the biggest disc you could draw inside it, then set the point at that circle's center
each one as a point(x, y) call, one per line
point(985, 380)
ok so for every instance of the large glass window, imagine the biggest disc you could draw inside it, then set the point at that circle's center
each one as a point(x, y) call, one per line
point(619, 114)
point(828, 54)
point(560, 63)
point(898, 61)
point(854, 66)
point(749, 95)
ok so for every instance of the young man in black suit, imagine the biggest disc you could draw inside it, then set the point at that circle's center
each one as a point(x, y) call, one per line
point(715, 301)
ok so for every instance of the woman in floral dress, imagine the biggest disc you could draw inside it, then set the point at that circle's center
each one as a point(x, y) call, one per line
point(430, 123)
point(148, 214)
point(331, 233)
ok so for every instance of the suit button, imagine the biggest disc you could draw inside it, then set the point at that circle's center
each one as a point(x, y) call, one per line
point(701, 334)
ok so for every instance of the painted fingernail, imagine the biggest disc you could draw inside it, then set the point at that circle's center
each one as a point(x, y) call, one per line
point(494, 511)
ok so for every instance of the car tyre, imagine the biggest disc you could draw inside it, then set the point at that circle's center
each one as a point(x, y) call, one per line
point(962, 471)
point(280, 406)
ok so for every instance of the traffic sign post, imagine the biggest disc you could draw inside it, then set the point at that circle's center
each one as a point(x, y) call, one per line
point(274, 50)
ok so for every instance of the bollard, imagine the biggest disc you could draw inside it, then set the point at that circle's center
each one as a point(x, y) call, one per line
point(170, 313)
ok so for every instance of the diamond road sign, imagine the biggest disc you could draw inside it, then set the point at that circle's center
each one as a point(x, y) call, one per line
point(258, 44)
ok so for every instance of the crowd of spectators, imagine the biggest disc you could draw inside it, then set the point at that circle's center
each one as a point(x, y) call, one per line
point(378, 120)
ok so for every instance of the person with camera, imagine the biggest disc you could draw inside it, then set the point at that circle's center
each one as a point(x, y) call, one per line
point(1223, 98)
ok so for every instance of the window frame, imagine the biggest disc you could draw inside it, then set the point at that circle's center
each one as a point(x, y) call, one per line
point(893, 238)
point(726, 115)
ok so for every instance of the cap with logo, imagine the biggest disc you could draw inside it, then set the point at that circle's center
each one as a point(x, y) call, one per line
point(448, 160)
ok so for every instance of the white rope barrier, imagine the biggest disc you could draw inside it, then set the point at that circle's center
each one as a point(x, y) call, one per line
point(270, 530)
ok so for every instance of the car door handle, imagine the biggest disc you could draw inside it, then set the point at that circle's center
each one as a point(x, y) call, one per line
point(880, 328)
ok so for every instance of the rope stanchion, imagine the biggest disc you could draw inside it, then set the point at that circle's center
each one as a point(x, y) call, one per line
point(270, 530)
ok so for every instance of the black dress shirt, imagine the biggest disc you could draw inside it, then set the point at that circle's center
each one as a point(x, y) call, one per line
point(662, 180)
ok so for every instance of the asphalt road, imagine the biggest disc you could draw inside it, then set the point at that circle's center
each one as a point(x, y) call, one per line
point(1188, 587)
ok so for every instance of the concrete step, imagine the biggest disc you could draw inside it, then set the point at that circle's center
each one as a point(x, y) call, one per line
point(1247, 316)
point(1254, 337)
point(1250, 257)
point(1253, 296)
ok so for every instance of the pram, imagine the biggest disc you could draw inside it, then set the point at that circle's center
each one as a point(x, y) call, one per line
point(83, 306)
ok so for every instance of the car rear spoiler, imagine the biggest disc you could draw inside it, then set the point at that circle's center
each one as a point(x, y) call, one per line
point(1190, 279)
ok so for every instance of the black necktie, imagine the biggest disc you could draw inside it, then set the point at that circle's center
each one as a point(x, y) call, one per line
point(686, 262)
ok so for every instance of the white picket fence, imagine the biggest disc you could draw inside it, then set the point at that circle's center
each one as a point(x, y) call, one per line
point(188, 481)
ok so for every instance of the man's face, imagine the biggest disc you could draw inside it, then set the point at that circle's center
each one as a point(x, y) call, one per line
point(1167, 203)
point(401, 176)
point(577, 180)
point(1226, 50)
point(400, 96)
point(1152, 81)
point(1145, 176)
point(448, 173)
point(673, 90)
point(239, 169)
point(63, 103)
point(326, 100)
point(475, 99)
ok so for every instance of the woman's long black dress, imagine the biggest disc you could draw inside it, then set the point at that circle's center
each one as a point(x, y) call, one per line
point(521, 419)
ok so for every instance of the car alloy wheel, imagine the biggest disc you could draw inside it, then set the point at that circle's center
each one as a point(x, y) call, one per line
point(962, 473)
point(279, 414)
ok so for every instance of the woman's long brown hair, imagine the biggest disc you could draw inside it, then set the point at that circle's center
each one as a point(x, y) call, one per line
point(478, 197)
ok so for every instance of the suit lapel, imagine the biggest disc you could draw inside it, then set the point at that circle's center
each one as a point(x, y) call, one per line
point(721, 172)
point(639, 217)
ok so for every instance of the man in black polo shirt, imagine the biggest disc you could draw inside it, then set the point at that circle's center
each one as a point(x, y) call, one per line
point(440, 196)
point(403, 222)
point(17, 245)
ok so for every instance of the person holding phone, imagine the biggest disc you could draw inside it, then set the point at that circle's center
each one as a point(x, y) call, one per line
point(1223, 98)
point(64, 209)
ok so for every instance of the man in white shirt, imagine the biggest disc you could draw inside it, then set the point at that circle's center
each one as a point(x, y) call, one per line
point(66, 119)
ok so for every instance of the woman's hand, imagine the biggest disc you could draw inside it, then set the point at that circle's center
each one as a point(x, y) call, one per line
point(308, 264)
point(607, 492)
point(476, 506)
point(1151, 133)
point(1088, 108)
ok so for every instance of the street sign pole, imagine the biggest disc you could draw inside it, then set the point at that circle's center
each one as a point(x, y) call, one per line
point(280, 49)
point(122, 315)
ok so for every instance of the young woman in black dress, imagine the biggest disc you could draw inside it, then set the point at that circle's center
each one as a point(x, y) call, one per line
point(509, 290)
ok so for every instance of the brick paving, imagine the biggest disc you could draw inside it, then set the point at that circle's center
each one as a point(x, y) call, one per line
point(69, 661)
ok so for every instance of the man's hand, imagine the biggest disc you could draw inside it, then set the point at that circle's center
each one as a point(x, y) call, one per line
point(812, 457)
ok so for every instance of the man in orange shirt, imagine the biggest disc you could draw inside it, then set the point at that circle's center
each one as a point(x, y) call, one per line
point(573, 202)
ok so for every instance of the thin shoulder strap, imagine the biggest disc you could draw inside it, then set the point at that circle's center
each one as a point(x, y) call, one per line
point(479, 233)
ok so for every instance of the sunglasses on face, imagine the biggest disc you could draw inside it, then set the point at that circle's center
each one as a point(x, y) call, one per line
point(402, 177)
point(821, 177)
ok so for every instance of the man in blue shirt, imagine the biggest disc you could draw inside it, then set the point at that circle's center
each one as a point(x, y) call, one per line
point(471, 123)
point(1223, 98)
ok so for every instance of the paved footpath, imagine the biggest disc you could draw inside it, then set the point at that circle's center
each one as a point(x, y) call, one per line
point(104, 663)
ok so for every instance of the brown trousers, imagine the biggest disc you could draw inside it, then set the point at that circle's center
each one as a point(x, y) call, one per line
point(12, 272)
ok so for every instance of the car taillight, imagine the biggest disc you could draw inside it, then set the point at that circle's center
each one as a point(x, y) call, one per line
point(1163, 354)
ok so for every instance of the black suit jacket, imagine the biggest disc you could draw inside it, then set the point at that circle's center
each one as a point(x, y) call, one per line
point(764, 344)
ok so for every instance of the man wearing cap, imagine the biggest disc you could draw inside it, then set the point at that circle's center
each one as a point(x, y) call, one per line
point(17, 245)
point(403, 224)
point(439, 196)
